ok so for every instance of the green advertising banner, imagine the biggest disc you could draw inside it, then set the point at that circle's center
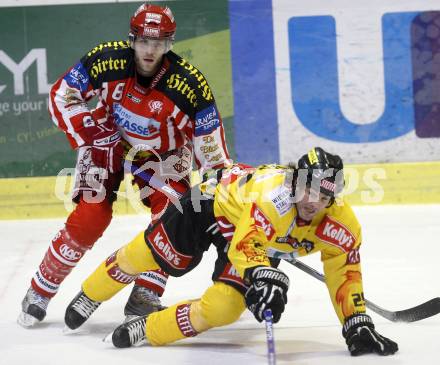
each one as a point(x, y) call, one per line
point(38, 44)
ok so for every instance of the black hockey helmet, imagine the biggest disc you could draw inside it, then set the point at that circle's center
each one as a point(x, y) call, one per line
point(322, 170)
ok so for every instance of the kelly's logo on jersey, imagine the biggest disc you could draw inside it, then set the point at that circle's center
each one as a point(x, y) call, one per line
point(335, 233)
point(207, 121)
point(262, 222)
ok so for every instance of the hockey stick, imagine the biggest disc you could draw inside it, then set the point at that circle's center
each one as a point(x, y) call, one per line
point(154, 182)
point(417, 313)
point(268, 319)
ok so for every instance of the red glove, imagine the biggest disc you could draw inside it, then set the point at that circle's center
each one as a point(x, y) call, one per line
point(107, 149)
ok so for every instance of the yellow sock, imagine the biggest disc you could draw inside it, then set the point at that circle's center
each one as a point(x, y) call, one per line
point(170, 324)
point(220, 305)
point(119, 270)
point(106, 281)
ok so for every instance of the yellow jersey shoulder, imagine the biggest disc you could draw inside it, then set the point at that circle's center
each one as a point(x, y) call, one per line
point(274, 203)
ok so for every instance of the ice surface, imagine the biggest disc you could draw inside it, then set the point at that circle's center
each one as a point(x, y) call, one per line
point(400, 258)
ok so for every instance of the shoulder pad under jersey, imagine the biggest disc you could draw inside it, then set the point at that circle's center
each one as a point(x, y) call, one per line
point(109, 61)
point(186, 86)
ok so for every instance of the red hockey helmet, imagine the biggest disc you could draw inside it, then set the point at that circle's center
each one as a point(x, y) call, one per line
point(152, 21)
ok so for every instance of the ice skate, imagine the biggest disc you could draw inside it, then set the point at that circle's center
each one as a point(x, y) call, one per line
point(79, 310)
point(34, 306)
point(142, 301)
point(131, 333)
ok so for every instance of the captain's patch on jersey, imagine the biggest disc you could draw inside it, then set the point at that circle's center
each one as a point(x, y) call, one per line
point(206, 121)
point(335, 233)
point(262, 222)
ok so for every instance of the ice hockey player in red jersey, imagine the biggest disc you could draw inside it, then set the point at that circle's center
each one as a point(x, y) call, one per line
point(250, 215)
point(156, 110)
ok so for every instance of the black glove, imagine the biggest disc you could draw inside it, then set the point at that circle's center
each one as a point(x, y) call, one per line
point(362, 338)
point(267, 290)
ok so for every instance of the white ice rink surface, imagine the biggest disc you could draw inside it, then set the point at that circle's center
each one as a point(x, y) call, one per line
point(400, 257)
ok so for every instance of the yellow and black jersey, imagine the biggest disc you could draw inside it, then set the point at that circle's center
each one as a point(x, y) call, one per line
point(256, 211)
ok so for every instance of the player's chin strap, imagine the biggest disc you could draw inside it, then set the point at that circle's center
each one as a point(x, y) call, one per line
point(417, 313)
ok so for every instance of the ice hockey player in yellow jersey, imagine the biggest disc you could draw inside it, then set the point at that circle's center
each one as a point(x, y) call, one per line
point(254, 217)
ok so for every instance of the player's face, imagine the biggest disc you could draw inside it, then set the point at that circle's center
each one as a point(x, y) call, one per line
point(148, 54)
point(311, 204)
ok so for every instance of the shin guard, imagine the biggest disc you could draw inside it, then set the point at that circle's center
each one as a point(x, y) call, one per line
point(83, 228)
point(61, 257)
point(220, 305)
point(119, 270)
point(107, 280)
point(170, 325)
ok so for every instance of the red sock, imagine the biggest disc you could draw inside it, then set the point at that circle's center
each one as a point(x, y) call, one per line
point(83, 228)
point(154, 280)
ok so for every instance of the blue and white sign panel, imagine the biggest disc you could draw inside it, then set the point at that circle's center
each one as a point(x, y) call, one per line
point(359, 78)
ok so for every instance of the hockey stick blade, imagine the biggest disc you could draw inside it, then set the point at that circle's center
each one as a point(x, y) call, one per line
point(413, 314)
point(417, 313)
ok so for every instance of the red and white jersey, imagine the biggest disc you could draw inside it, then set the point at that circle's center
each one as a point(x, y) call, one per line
point(177, 107)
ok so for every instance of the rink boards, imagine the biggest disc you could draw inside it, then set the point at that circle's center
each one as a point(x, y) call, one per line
point(367, 184)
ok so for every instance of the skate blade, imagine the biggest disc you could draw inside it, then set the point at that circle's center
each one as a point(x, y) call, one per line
point(69, 331)
point(108, 338)
point(130, 317)
point(26, 320)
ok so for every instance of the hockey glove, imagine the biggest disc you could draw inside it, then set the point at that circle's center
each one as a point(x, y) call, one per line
point(268, 290)
point(362, 338)
point(105, 140)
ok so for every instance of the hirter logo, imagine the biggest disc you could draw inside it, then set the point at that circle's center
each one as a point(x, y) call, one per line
point(262, 222)
point(163, 247)
point(335, 233)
